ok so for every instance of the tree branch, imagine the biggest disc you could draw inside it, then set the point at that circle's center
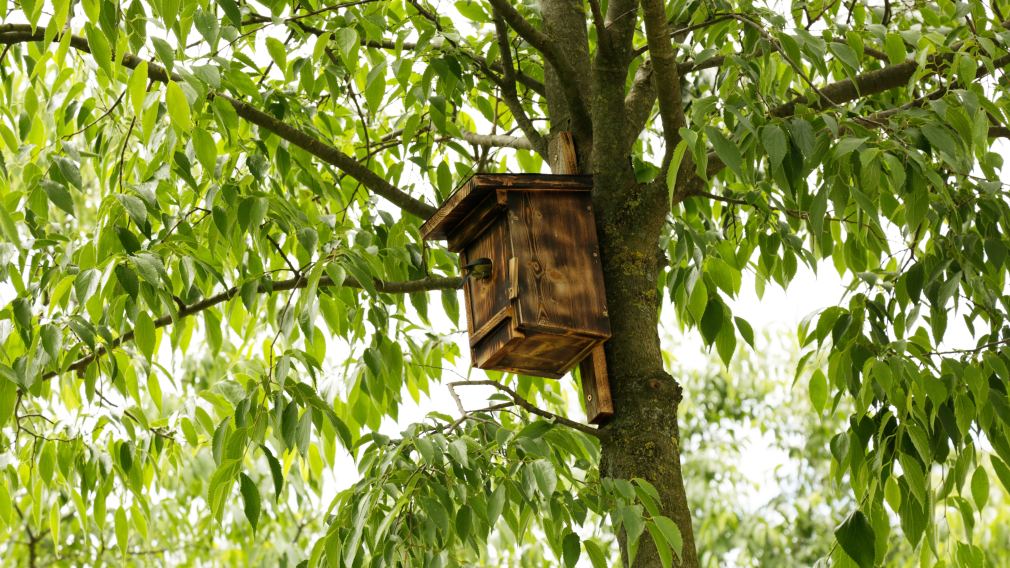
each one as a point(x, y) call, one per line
point(864, 85)
point(667, 76)
point(508, 88)
point(599, 21)
point(638, 104)
point(554, 55)
point(401, 287)
point(498, 141)
point(19, 33)
point(530, 407)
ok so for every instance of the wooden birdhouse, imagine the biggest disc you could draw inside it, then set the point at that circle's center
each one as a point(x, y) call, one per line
point(535, 301)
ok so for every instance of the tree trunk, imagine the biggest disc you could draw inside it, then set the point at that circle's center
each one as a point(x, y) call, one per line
point(642, 439)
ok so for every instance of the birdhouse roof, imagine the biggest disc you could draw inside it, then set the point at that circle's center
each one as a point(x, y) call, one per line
point(472, 194)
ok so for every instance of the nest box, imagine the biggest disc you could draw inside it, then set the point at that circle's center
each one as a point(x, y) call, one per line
point(535, 302)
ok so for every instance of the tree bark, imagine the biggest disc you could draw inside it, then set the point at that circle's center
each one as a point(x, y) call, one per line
point(642, 440)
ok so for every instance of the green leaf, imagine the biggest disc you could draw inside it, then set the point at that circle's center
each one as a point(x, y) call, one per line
point(746, 331)
point(135, 208)
point(205, 149)
point(846, 54)
point(634, 526)
point(126, 456)
point(165, 51)
point(6, 505)
point(1002, 472)
point(278, 53)
point(122, 530)
point(464, 522)
point(457, 449)
point(664, 552)
point(674, 170)
point(596, 555)
point(250, 499)
point(145, 334)
point(774, 140)
point(232, 12)
point(546, 478)
point(59, 195)
point(726, 150)
point(128, 279)
point(137, 87)
point(698, 301)
point(571, 549)
point(711, 321)
point(70, 171)
point(894, 46)
point(725, 343)
point(207, 24)
point(471, 10)
point(275, 471)
point(178, 107)
point(846, 145)
point(129, 241)
point(495, 505)
point(8, 398)
point(671, 534)
point(347, 42)
point(913, 281)
point(52, 341)
point(940, 139)
point(100, 49)
point(855, 535)
point(980, 487)
point(818, 390)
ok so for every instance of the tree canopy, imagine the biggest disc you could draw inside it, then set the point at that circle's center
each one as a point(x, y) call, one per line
point(212, 286)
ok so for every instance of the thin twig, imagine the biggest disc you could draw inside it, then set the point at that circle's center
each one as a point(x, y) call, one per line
point(100, 118)
point(122, 152)
point(530, 407)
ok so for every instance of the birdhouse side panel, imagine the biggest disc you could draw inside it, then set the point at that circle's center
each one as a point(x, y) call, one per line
point(553, 237)
point(487, 299)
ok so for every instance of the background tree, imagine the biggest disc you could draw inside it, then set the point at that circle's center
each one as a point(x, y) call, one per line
point(193, 191)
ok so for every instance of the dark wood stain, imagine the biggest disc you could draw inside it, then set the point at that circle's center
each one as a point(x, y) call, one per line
point(543, 309)
point(489, 296)
point(596, 386)
point(560, 281)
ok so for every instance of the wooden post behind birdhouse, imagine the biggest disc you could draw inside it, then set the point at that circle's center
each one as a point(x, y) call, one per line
point(593, 368)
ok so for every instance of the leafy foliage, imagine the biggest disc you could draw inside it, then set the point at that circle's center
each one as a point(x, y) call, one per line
point(212, 284)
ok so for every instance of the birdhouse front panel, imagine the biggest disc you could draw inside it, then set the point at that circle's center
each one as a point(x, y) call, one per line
point(560, 279)
point(533, 285)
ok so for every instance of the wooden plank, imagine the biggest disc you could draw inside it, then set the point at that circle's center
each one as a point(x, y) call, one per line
point(540, 354)
point(596, 386)
point(448, 214)
point(513, 277)
point(478, 335)
point(560, 278)
point(469, 228)
point(561, 152)
point(471, 194)
point(488, 298)
point(496, 345)
point(549, 182)
point(593, 369)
